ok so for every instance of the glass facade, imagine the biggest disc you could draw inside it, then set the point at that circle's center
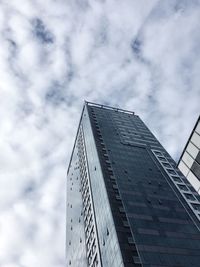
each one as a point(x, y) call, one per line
point(127, 202)
point(189, 162)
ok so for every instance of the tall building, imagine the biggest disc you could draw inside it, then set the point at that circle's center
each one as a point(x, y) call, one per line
point(127, 202)
point(189, 162)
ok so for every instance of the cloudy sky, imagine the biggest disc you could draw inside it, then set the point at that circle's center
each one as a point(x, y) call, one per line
point(138, 55)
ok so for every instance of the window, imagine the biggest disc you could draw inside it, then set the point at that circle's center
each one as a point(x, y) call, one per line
point(158, 153)
point(198, 128)
point(187, 159)
point(148, 231)
point(171, 171)
point(161, 158)
point(192, 150)
point(193, 180)
point(165, 164)
point(121, 209)
point(176, 179)
point(112, 177)
point(131, 240)
point(196, 139)
point(184, 169)
point(183, 187)
point(196, 207)
point(125, 223)
point(136, 259)
point(196, 169)
point(190, 196)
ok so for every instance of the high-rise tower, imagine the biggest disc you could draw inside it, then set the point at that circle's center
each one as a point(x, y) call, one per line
point(127, 203)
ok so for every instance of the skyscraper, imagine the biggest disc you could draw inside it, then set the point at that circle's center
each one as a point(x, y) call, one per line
point(127, 203)
point(189, 162)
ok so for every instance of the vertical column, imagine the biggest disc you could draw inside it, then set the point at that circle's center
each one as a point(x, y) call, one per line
point(92, 248)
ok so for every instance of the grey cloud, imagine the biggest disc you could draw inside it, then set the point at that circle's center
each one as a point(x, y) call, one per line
point(57, 95)
point(102, 32)
point(83, 5)
point(136, 46)
point(12, 47)
point(170, 8)
point(41, 32)
point(30, 187)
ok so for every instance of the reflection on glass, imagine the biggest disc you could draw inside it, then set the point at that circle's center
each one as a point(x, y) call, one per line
point(184, 169)
point(196, 139)
point(192, 150)
point(188, 160)
point(194, 181)
point(198, 128)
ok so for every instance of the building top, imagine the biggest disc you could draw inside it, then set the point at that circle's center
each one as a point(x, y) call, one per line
point(99, 106)
point(109, 108)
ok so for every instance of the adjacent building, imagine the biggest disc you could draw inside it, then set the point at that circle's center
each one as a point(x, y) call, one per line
point(127, 202)
point(189, 162)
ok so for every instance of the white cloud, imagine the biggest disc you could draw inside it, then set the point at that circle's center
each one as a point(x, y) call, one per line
point(139, 55)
